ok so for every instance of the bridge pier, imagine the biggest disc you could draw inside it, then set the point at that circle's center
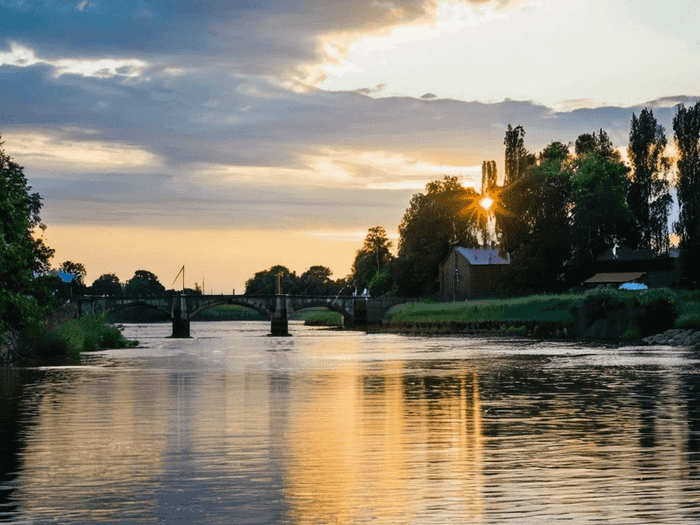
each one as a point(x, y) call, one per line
point(279, 325)
point(181, 324)
point(359, 319)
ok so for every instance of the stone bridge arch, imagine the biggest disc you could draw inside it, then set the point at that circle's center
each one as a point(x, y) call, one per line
point(356, 311)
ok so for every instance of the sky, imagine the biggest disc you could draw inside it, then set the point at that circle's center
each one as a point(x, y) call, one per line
point(229, 137)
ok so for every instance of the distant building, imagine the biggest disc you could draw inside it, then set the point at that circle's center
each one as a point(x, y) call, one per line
point(617, 266)
point(469, 272)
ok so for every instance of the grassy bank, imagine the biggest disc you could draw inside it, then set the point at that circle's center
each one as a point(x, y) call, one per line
point(599, 313)
point(318, 317)
point(554, 308)
point(229, 312)
point(86, 334)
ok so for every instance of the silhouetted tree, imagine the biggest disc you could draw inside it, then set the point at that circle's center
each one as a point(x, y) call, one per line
point(143, 284)
point(371, 258)
point(264, 282)
point(510, 228)
point(544, 193)
point(686, 128)
point(649, 194)
point(517, 159)
point(107, 284)
point(316, 281)
point(25, 286)
point(599, 143)
point(600, 215)
point(77, 270)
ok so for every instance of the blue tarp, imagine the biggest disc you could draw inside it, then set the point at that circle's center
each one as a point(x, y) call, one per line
point(633, 286)
point(66, 277)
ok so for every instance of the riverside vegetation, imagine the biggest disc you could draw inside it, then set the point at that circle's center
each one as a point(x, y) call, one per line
point(602, 313)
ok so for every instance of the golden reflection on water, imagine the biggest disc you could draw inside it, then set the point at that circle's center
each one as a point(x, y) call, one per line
point(381, 443)
point(93, 438)
point(329, 429)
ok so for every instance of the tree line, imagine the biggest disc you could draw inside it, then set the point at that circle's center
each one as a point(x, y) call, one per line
point(554, 212)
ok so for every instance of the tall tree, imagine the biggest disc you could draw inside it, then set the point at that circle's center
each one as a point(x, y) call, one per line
point(649, 194)
point(447, 213)
point(510, 229)
point(544, 196)
point(517, 159)
point(600, 215)
point(25, 291)
point(686, 128)
point(371, 258)
point(599, 143)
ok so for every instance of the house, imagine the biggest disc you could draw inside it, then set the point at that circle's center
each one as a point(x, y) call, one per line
point(469, 272)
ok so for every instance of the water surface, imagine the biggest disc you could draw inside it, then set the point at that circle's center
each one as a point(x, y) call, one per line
point(330, 427)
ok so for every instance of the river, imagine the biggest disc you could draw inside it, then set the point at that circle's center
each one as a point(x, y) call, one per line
point(332, 427)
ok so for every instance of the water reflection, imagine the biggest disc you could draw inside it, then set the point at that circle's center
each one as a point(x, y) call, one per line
point(344, 428)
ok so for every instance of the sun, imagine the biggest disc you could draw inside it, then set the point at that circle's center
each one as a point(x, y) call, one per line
point(486, 203)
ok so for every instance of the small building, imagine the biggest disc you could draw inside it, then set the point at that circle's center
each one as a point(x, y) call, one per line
point(616, 279)
point(469, 272)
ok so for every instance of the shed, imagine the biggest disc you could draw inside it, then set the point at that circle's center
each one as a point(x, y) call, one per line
point(616, 278)
point(468, 272)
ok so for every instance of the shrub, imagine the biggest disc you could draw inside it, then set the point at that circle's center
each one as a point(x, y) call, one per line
point(660, 309)
point(599, 303)
point(86, 334)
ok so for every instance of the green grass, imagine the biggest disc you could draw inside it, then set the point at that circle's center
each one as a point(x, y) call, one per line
point(532, 308)
point(229, 312)
point(88, 333)
point(319, 317)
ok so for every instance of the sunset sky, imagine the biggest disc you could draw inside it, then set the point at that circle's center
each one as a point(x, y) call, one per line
point(232, 136)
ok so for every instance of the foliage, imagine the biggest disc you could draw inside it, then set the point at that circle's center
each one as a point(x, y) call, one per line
point(686, 127)
point(517, 159)
point(143, 284)
point(371, 258)
point(510, 227)
point(317, 281)
point(543, 200)
point(660, 310)
point(229, 312)
point(600, 215)
point(25, 289)
point(601, 302)
point(649, 197)
point(77, 270)
point(85, 334)
point(264, 282)
point(599, 143)
point(532, 308)
point(107, 284)
point(446, 214)
point(319, 317)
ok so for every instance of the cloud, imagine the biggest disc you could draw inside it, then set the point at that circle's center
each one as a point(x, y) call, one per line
point(261, 38)
point(180, 149)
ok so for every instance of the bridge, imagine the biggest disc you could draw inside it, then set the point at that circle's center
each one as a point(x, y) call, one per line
point(356, 312)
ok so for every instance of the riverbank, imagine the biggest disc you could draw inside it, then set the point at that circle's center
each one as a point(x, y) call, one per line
point(658, 316)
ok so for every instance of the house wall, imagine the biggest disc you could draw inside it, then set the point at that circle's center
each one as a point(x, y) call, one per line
point(473, 280)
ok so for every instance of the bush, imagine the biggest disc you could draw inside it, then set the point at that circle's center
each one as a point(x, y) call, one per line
point(86, 334)
point(660, 309)
point(599, 303)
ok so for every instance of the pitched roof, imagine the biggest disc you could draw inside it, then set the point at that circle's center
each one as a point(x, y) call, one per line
point(614, 278)
point(482, 256)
